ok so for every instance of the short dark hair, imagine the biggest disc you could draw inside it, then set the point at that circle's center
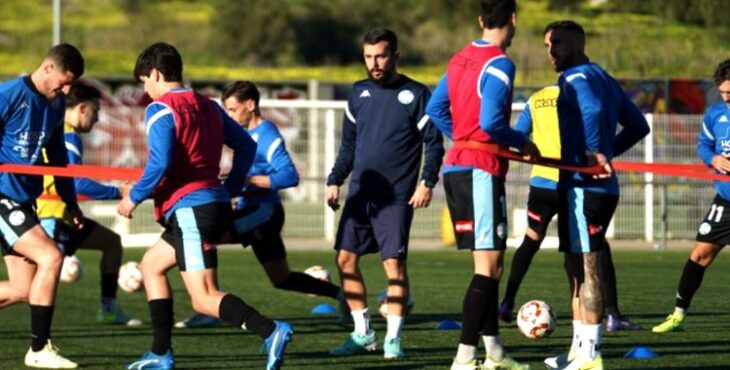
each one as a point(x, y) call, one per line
point(68, 58)
point(379, 34)
point(242, 91)
point(566, 25)
point(162, 57)
point(496, 13)
point(80, 92)
point(722, 73)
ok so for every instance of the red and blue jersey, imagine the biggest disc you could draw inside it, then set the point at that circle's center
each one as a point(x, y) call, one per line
point(473, 102)
point(186, 132)
point(714, 139)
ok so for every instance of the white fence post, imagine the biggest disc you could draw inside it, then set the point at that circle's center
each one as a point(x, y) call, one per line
point(329, 161)
point(649, 182)
point(314, 187)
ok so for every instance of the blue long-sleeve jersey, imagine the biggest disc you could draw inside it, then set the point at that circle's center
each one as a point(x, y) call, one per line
point(30, 122)
point(590, 105)
point(86, 187)
point(383, 134)
point(273, 160)
point(714, 139)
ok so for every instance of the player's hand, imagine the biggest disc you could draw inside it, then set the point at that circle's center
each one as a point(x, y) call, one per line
point(422, 197)
point(721, 163)
point(126, 207)
point(332, 197)
point(125, 188)
point(77, 217)
point(263, 182)
point(599, 159)
point(530, 151)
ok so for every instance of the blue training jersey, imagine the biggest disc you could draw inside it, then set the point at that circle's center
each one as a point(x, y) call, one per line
point(273, 160)
point(86, 187)
point(30, 122)
point(714, 139)
point(590, 105)
point(384, 132)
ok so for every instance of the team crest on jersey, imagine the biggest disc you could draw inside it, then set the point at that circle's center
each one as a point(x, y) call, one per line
point(16, 218)
point(406, 97)
point(705, 228)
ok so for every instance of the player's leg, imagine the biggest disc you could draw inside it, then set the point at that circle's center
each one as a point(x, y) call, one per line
point(397, 296)
point(20, 272)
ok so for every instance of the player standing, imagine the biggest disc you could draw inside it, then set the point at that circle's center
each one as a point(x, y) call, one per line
point(31, 116)
point(713, 234)
point(472, 105)
point(383, 134)
point(186, 132)
point(590, 105)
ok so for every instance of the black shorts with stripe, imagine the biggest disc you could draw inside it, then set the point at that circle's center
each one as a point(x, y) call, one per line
point(195, 231)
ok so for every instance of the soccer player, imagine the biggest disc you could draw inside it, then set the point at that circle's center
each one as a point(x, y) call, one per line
point(259, 216)
point(384, 132)
point(590, 105)
point(82, 110)
point(31, 115)
point(540, 118)
point(472, 105)
point(713, 233)
point(186, 132)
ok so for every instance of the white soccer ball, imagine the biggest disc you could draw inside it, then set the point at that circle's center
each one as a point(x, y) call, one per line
point(130, 277)
point(319, 272)
point(71, 269)
point(536, 319)
point(383, 302)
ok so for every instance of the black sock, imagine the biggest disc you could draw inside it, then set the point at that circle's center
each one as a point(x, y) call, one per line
point(236, 312)
point(520, 263)
point(474, 310)
point(161, 318)
point(491, 326)
point(689, 283)
point(40, 326)
point(109, 285)
point(304, 283)
point(608, 276)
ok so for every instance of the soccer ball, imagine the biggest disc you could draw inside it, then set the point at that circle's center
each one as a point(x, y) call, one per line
point(319, 272)
point(536, 319)
point(130, 277)
point(383, 302)
point(71, 269)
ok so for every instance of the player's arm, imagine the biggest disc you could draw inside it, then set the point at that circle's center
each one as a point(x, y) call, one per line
point(433, 154)
point(590, 107)
point(84, 186)
point(244, 153)
point(634, 126)
point(706, 147)
point(285, 173)
point(345, 159)
point(56, 152)
point(439, 108)
point(496, 92)
point(524, 121)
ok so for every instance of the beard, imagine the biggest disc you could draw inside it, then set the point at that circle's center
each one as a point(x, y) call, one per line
point(385, 75)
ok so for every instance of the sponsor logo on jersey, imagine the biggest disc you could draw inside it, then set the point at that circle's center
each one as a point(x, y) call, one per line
point(464, 226)
point(16, 218)
point(23, 105)
point(405, 97)
point(705, 228)
point(535, 216)
point(365, 94)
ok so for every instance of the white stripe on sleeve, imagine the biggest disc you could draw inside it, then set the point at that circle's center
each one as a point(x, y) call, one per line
point(576, 75)
point(270, 153)
point(73, 149)
point(707, 132)
point(349, 115)
point(157, 116)
point(422, 123)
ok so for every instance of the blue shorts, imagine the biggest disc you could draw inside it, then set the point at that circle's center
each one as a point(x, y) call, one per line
point(369, 227)
point(583, 219)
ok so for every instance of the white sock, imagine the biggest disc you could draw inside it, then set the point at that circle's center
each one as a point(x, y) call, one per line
point(465, 353)
point(494, 348)
point(361, 318)
point(576, 337)
point(395, 323)
point(590, 340)
point(680, 311)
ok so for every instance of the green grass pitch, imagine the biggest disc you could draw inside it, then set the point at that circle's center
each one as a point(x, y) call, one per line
point(647, 283)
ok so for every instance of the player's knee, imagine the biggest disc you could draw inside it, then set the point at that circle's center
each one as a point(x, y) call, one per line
point(346, 262)
point(52, 259)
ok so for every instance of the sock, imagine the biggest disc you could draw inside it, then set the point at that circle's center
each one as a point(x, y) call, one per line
point(494, 348)
point(577, 327)
point(590, 340)
point(474, 310)
point(161, 319)
point(491, 309)
point(40, 326)
point(680, 311)
point(689, 283)
point(465, 353)
point(108, 286)
point(520, 263)
point(608, 277)
point(304, 283)
point(361, 318)
point(395, 323)
point(236, 312)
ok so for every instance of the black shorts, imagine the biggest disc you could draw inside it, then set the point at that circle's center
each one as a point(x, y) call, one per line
point(478, 209)
point(370, 227)
point(194, 232)
point(715, 228)
point(15, 220)
point(542, 206)
point(259, 225)
point(68, 238)
point(583, 219)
